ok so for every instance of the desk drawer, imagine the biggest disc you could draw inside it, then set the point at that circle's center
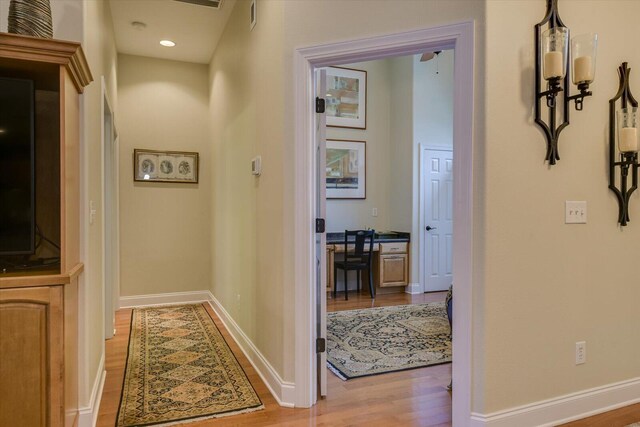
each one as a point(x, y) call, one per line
point(339, 248)
point(393, 248)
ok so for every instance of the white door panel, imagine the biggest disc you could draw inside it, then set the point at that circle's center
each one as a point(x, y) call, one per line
point(438, 167)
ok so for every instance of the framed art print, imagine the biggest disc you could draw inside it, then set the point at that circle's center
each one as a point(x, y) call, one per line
point(346, 169)
point(346, 98)
point(165, 166)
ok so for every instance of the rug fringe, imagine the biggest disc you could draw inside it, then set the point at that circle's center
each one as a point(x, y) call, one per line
point(210, 417)
point(336, 372)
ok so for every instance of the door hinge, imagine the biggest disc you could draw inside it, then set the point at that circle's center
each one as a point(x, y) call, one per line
point(320, 225)
point(319, 105)
point(321, 345)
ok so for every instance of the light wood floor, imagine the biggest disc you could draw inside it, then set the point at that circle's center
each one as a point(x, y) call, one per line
point(618, 418)
point(410, 398)
point(363, 300)
point(417, 397)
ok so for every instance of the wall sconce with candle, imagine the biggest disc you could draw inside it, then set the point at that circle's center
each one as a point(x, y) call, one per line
point(624, 123)
point(552, 57)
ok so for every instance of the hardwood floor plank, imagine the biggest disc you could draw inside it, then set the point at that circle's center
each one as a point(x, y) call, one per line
point(415, 397)
point(617, 418)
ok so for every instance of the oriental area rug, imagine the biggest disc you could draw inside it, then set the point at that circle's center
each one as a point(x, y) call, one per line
point(180, 369)
point(374, 341)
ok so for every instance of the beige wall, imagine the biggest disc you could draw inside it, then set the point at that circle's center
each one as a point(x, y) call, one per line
point(433, 101)
point(547, 284)
point(247, 224)
point(343, 214)
point(164, 228)
point(401, 152)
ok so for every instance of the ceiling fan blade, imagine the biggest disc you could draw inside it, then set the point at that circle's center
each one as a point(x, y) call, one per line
point(427, 56)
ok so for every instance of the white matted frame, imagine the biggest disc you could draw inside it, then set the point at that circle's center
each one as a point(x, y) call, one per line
point(346, 98)
point(460, 37)
point(352, 182)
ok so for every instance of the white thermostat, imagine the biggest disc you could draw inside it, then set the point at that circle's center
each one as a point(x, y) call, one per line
point(256, 166)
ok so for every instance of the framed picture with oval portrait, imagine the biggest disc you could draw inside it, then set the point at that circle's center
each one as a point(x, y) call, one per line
point(165, 166)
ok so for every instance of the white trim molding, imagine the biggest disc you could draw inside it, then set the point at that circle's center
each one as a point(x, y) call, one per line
point(413, 288)
point(88, 415)
point(459, 37)
point(164, 299)
point(564, 409)
point(282, 391)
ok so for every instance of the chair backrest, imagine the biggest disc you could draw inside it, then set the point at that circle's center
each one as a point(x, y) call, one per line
point(359, 238)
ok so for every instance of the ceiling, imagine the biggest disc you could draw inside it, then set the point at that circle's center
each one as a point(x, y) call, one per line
point(195, 29)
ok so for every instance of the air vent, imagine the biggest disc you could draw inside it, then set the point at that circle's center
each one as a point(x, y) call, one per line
point(216, 4)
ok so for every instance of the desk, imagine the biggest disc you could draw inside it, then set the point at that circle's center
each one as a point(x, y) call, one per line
point(390, 261)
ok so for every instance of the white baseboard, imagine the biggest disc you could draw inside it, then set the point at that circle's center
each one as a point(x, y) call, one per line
point(413, 289)
point(164, 299)
point(88, 416)
point(564, 409)
point(284, 392)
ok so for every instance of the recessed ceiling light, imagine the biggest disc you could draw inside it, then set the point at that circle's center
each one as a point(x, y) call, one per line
point(167, 43)
point(2, 131)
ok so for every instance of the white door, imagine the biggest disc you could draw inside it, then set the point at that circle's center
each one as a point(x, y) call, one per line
point(321, 240)
point(438, 211)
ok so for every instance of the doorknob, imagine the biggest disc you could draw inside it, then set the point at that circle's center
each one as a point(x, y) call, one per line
point(429, 228)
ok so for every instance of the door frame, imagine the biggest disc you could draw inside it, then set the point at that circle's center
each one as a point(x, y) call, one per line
point(422, 209)
point(110, 292)
point(460, 37)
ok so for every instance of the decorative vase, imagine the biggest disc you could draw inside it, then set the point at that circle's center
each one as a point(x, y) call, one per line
point(30, 18)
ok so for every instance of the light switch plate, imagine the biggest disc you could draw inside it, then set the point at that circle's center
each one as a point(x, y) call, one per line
point(92, 212)
point(575, 212)
point(256, 166)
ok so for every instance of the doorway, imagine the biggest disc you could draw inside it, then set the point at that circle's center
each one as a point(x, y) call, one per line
point(459, 37)
point(110, 233)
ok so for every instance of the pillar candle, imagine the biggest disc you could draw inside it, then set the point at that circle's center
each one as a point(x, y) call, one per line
point(628, 139)
point(582, 70)
point(553, 65)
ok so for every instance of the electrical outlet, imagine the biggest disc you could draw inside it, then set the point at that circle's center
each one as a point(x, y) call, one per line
point(575, 212)
point(238, 297)
point(581, 352)
point(374, 212)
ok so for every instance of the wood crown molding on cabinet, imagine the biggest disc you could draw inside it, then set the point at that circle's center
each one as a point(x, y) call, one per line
point(66, 53)
point(13, 280)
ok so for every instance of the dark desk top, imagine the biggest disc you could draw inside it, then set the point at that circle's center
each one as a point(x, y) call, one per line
point(388, 236)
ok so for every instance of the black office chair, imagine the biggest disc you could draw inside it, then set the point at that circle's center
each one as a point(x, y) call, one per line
point(358, 260)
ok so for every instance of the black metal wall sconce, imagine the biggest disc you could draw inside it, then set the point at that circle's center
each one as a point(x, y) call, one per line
point(552, 56)
point(624, 123)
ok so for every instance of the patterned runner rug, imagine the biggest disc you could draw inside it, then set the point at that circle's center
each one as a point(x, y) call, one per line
point(180, 369)
point(373, 341)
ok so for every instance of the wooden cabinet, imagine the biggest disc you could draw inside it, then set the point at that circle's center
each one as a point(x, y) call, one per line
point(331, 251)
point(39, 308)
point(31, 345)
point(391, 268)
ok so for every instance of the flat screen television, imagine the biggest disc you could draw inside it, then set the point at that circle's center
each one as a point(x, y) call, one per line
point(17, 167)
